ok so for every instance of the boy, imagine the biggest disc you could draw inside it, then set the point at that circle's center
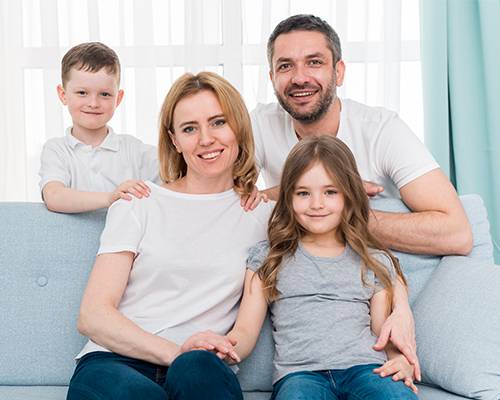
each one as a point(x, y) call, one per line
point(91, 167)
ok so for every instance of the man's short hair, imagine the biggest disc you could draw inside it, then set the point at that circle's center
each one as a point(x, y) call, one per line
point(305, 22)
point(91, 57)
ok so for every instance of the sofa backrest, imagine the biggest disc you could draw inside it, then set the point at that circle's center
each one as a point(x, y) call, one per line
point(45, 260)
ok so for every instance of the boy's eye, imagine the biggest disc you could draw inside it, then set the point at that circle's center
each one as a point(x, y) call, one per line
point(81, 92)
point(106, 94)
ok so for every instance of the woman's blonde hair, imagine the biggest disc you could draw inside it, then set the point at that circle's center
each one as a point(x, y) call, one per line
point(285, 231)
point(172, 164)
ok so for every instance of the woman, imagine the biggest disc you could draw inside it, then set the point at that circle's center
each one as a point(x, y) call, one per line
point(173, 264)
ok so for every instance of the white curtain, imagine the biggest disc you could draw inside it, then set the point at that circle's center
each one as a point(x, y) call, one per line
point(158, 40)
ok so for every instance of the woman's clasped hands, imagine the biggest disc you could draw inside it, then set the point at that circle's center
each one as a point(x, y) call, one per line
point(222, 346)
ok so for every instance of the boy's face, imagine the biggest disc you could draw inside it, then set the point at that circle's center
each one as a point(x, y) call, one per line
point(92, 98)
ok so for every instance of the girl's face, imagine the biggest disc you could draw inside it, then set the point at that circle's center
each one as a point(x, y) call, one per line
point(318, 204)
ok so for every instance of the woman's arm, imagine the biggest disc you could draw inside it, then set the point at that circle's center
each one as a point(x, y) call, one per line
point(101, 321)
point(251, 316)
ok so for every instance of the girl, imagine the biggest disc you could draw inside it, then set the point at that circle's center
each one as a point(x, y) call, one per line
point(329, 284)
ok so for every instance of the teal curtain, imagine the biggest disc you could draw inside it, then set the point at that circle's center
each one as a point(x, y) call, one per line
point(460, 42)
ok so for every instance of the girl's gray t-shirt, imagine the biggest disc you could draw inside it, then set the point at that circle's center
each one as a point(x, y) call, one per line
point(321, 318)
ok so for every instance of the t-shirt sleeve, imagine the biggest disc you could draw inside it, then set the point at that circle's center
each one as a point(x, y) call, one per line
point(122, 231)
point(383, 258)
point(257, 255)
point(53, 166)
point(403, 156)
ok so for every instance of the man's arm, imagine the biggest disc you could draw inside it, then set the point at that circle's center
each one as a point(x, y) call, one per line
point(438, 224)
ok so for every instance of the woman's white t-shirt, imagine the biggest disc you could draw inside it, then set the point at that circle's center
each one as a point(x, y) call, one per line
point(189, 265)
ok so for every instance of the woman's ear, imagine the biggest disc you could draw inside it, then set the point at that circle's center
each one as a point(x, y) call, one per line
point(174, 141)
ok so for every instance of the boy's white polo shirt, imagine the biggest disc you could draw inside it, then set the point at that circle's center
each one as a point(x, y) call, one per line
point(97, 169)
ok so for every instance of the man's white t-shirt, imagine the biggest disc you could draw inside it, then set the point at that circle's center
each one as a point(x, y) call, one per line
point(387, 152)
point(97, 169)
point(189, 266)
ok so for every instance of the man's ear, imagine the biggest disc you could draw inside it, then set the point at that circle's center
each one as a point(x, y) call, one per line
point(339, 72)
point(61, 93)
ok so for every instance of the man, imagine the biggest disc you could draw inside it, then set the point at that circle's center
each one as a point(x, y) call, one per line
point(306, 67)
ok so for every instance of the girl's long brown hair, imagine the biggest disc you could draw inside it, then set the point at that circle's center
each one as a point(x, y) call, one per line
point(285, 232)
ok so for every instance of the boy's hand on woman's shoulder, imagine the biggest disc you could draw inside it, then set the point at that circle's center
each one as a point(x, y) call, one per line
point(127, 189)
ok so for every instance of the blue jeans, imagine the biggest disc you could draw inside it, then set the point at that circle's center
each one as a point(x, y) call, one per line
point(355, 383)
point(193, 375)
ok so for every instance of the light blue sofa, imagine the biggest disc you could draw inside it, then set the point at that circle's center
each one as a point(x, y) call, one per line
point(45, 259)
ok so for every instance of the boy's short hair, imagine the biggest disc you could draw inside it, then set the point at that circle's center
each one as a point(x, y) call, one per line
point(91, 57)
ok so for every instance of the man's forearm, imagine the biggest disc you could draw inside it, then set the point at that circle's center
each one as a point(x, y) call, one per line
point(425, 232)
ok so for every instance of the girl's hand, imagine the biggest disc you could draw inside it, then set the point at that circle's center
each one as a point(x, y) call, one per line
point(222, 346)
point(250, 202)
point(400, 369)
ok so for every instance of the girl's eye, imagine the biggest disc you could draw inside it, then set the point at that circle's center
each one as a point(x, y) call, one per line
point(331, 192)
point(219, 122)
point(302, 193)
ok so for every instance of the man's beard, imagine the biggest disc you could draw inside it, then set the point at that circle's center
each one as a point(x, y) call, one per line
point(317, 112)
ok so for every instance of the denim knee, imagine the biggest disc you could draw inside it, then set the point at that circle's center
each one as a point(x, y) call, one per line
point(201, 374)
point(360, 382)
point(303, 385)
point(107, 376)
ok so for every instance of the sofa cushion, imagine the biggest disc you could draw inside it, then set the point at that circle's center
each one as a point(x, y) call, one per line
point(418, 268)
point(458, 328)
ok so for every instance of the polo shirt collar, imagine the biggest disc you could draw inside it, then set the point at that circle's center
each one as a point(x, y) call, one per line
point(110, 142)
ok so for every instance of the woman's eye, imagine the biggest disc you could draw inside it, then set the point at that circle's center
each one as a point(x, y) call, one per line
point(188, 129)
point(219, 122)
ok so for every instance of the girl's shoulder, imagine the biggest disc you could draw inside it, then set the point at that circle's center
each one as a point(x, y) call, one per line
point(383, 258)
point(257, 255)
